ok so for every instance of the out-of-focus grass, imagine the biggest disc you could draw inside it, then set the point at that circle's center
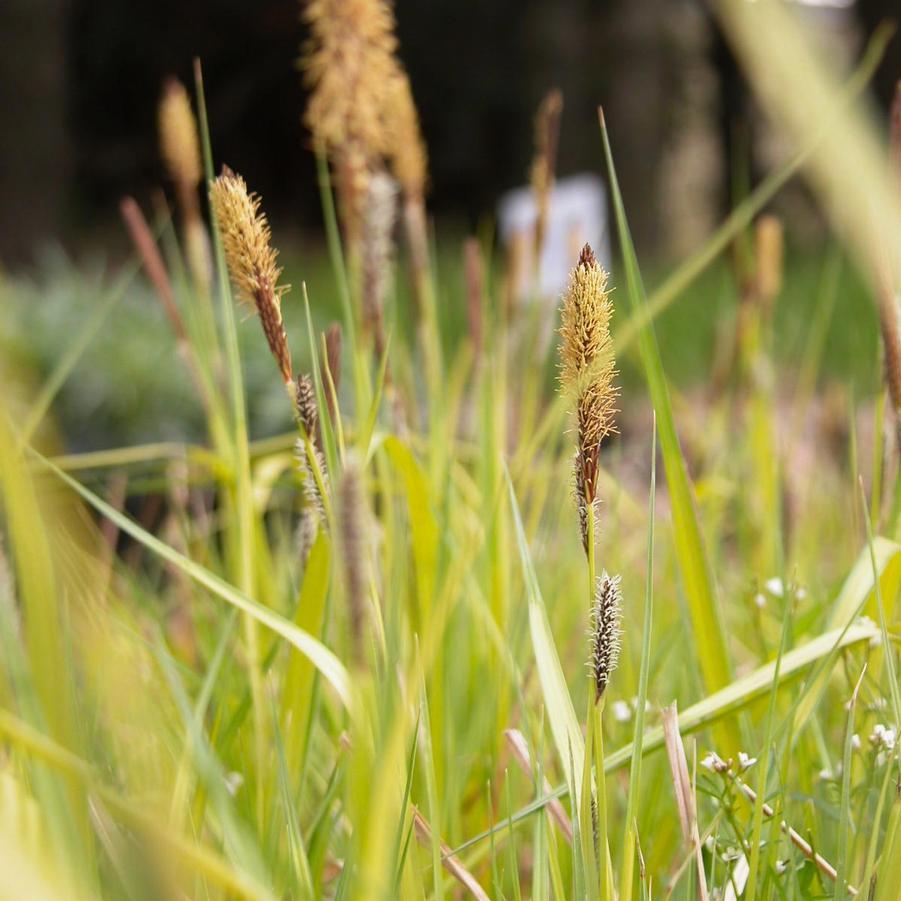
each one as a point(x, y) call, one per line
point(195, 700)
point(126, 390)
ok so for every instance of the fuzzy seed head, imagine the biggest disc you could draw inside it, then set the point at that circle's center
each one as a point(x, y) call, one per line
point(307, 411)
point(251, 259)
point(348, 62)
point(179, 142)
point(604, 636)
point(587, 365)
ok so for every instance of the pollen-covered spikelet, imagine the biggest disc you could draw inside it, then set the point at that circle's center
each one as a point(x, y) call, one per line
point(547, 132)
point(349, 66)
point(251, 259)
point(587, 372)
point(179, 142)
point(305, 402)
point(604, 633)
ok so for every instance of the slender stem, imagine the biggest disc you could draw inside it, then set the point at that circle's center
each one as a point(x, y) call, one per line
point(240, 488)
point(605, 868)
point(627, 873)
point(592, 578)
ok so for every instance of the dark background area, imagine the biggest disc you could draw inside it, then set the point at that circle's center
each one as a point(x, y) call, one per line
point(80, 80)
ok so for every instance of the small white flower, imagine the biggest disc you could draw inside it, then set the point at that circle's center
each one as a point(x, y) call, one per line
point(233, 781)
point(622, 712)
point(855, 742)
point(709, 843)
point(714, 763)
point(775, 587)
point(781, 866)
point(825, 775)
point(800, 593)
point(745, 762)
point(883, 738)
point(760, 600)
point(731, 853)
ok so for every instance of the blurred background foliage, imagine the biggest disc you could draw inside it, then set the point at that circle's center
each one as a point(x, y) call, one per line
point(79, 86)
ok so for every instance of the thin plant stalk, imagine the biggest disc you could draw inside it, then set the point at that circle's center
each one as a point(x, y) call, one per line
point(242, 489)
point(627, 869)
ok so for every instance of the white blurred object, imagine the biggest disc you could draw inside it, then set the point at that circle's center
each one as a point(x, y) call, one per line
point(577, 214)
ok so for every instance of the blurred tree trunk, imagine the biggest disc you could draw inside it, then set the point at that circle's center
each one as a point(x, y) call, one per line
point(34, 151)
point(635, 108)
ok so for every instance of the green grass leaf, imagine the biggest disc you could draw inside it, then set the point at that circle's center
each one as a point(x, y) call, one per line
point(708, 631)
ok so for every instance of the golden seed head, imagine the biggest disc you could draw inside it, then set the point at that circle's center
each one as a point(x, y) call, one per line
point(348, 64)
point(251, 259)
point(179, 142)
point(768, 238)
point(587, 364)
point(406, 147)
point(604, 635)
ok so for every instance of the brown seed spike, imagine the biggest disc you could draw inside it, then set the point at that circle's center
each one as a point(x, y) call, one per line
point(251, 259)
point(587, 371)
point(307, 410)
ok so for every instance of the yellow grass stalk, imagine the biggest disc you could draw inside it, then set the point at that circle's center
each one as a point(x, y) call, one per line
point(251, 260)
